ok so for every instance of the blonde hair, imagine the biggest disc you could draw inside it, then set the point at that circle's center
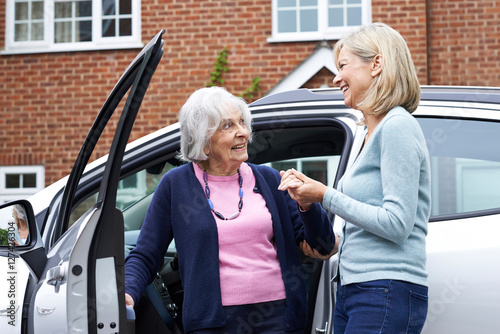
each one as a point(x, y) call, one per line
point(397, 84)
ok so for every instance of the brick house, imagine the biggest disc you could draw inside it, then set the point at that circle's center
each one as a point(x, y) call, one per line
point(59, 59)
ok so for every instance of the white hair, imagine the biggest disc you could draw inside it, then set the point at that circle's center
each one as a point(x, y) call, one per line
point(19, 210)
point(201, 116)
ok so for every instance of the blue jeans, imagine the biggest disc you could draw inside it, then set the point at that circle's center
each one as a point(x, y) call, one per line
point(381, 306)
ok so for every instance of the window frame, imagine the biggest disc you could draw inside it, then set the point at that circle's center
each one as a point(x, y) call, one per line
point(8, 194)
point(324, 32)
point(48, 45)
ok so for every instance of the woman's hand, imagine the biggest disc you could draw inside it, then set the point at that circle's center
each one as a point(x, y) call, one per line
point(129, 301)
point(313, 253)
point(302, 189)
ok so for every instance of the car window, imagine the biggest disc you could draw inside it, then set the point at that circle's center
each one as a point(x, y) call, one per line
point(135, 193)
point(465, 164)
point(133, 196)
point(82, 207)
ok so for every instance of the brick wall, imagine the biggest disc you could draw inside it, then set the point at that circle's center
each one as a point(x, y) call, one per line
point(465, 42)
point(49, 101)
point(324, 78)
point(409, 18)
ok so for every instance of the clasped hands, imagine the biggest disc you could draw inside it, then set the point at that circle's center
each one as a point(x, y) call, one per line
point(305, 191)
point(301, 188)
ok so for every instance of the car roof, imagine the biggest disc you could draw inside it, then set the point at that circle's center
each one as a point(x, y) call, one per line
point(458, 101)
point(440, 93)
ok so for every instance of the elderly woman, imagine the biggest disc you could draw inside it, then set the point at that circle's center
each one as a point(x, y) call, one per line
point(236, 234)
point(384, 197)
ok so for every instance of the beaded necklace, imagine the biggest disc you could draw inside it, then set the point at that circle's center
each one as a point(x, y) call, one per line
point(211, 205)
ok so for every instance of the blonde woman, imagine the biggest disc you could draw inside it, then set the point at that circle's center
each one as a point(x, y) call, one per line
point(384, 198)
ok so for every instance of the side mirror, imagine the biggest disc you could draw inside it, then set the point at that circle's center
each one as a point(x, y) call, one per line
point(19, 236)
point(14, 229)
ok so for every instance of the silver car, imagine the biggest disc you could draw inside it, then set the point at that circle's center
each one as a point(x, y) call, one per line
point(66, 276)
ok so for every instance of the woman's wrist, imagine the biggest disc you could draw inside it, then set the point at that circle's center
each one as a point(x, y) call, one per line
point(304, 207)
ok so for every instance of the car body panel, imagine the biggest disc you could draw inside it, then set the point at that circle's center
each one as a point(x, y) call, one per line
point(463, 261)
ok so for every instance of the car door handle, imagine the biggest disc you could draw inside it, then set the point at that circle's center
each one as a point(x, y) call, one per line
point(45, 310)
point(322, 330)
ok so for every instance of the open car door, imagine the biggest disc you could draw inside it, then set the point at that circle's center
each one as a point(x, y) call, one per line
point(96, 265)
point(85, 284)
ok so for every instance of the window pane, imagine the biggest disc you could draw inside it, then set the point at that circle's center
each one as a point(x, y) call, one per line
point(21, 11)
point(84, 9)
point(125, 7)
point(309, 20)
point(287, 21)
point(108, 7)
point(62, 32)
point(133, 189)
point(84, 29)
point(12, 181)
point(353, 2)
point(108, 28)
point(37, 31)
point(63, 10)
point(284, 165)
point(21, 32)
point(465, 171)
point(37, 10)
point(354, 16)
point(480, 183)
point(125, 27)
point(335, 17)
point(73, 22)
point(82, 207)
point(29, 180)
point(317, 170)
point(129, 182)
point(308, 2)
point(336, 2)
point(286, 3)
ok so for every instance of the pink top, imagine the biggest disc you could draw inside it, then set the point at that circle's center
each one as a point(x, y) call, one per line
point(248, 261)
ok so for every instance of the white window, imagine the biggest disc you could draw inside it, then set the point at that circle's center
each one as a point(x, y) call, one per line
point(20, 182)
point(34, 26)
point(309, 20)
point(322, 169)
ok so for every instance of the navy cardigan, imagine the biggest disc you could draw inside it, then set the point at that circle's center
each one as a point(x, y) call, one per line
point(179, 208)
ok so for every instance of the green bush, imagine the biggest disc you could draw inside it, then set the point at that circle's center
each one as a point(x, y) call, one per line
point(4, 237)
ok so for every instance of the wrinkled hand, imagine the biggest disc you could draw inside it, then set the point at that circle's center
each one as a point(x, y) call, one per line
point(313, 253)
point(129, 301)
point(302, 189)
